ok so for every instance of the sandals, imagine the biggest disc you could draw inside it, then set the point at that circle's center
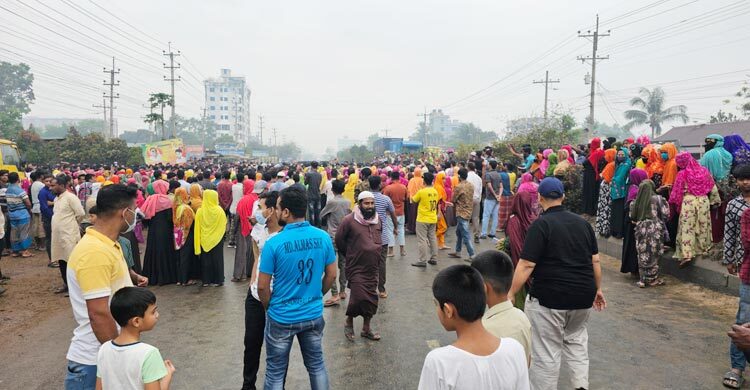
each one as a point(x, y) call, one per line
point(370, 335)
point(331, 302)
point(685, 262)
point(342, 295)
point(655, 283)
point(383, 295)
point(733, 380)
point(53, 265)
point(349, 333)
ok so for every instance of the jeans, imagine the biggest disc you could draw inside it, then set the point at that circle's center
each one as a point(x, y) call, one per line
point(736, 356)
point(279, 338)
point(463, 236)
point(313, 212)
point(80, 376)
point(400, 237)
point(490, 214)
point(255, 321)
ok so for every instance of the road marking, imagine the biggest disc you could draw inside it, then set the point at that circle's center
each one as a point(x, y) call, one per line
point(432, 344)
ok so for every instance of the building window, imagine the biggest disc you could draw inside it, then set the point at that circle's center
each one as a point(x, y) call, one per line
point(212, 117)
point(211, 89)
point(212, 108)
point(212, 99)
point(226, 89)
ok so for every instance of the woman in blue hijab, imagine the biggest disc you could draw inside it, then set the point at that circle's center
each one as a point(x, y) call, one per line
point(740, 150)
point(619, 191)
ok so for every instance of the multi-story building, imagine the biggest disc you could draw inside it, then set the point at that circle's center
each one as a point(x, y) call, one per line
point(442, 123)
point(228, 105)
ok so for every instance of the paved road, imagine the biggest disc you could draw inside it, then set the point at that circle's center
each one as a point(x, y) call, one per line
point(647, 339)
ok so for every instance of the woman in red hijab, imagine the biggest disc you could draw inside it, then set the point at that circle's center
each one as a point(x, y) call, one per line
point(591, 178)
point(522, 214)
point(243, 255)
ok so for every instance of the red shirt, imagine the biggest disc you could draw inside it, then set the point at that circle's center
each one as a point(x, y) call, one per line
point(397, 192)
point(225, 193)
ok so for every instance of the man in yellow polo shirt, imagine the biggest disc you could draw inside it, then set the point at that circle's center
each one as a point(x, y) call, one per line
point(96, 270)
point(427, 204)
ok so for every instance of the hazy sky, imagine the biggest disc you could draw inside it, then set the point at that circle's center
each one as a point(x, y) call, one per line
point(322, 70)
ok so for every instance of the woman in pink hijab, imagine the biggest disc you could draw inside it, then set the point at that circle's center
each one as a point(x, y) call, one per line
point(545, 163)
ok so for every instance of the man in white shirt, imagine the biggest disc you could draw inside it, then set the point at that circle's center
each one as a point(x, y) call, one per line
point(477, 360)
point(476, 182)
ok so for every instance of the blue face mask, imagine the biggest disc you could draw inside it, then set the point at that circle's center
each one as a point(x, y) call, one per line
point(665, 156)
point(260, 217)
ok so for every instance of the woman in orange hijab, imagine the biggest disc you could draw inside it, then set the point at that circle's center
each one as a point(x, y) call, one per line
point(668, 154)
point(442, 225)
point(604, 206)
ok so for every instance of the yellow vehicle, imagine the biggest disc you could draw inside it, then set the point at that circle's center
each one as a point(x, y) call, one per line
point(10, 158)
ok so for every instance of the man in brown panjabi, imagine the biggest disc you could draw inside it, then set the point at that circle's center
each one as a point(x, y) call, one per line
point(358, 240)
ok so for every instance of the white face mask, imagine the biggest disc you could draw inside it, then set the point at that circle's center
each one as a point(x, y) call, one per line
point(131, 226)
point(260, 217)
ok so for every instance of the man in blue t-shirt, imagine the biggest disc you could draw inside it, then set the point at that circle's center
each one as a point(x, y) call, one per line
point(302, 263)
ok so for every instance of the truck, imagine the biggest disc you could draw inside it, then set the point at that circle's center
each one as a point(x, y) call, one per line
point(10, 158)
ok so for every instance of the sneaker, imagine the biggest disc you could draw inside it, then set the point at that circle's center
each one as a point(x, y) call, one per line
point(492, 237)
point(432, 262)
point(231, 246)
point(469, 259)
point(476, 240)
point(483, 237)
point(419, 264)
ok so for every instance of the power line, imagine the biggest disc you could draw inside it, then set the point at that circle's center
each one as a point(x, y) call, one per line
point(546, 83)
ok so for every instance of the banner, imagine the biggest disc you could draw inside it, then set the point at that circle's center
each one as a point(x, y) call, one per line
point(230, 149)
point(171, 151)
point(194, 151)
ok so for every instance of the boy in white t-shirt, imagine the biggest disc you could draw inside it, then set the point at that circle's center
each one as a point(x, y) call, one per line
point(126, 362)
point(477, 360)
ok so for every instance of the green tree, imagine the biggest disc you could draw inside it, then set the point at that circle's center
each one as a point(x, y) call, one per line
point(288, 151)
point(468, 133)
point(159, 100)
point(371, 139)
point(649, 109)
point(744, 93)
point(10, 123)
point(16, 82)
point(723, 117)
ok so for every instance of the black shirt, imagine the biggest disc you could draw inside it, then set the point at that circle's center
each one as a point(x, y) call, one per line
point(313, 180)
point(561, 244)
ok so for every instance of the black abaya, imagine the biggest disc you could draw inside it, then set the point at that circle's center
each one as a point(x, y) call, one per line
point(161, 259)
point(189, 266)
point(617, 219)
point(590, 193)
point(212, 263)
point(629, 252)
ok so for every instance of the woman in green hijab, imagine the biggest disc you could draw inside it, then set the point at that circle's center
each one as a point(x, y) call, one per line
point(649, 213)
point(552, 158)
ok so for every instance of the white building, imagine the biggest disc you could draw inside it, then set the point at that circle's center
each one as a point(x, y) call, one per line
point(442, 123)
point(228, 105)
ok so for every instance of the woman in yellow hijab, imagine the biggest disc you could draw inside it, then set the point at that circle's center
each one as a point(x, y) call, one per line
point(350, 185)
point(210, 226)
point(442, 225)
point(182, 218)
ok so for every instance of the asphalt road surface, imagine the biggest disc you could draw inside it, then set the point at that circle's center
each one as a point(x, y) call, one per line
point(672, 337)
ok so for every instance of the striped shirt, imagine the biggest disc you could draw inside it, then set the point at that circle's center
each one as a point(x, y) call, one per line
point(15, 196)
point(383, 205)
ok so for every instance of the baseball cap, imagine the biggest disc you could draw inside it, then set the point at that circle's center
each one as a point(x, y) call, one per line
point(551, 188)
point(259, 186)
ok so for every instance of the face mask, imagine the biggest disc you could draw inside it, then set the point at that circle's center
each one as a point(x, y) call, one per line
point(131, 226)
point(260, 217)
point(708, 146)
point(665, 156)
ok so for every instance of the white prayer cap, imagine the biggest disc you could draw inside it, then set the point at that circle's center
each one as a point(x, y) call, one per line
point(365, 195)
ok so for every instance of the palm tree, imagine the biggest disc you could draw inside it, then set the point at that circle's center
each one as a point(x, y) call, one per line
point(650, 110)
point(161, 99)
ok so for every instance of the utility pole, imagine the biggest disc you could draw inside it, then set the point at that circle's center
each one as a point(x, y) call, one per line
point(275, 143)
point(386, 131)
point(171, 79)
point(596, 35)
point(546, 83)
point(424, 136)
point(260, 136)
point(104, 109)
point(112, 96)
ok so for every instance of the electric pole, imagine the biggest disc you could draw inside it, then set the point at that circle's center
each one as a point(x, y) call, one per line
point(260, 137)
point(275, 143)
point(171, 79)
point(386, 131)
point(112, 96)
point(593, 60)
point(546, 83)
point(424, 135)
point(104, 109)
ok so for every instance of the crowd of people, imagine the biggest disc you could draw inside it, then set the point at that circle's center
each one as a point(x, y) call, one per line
point(299, 230)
